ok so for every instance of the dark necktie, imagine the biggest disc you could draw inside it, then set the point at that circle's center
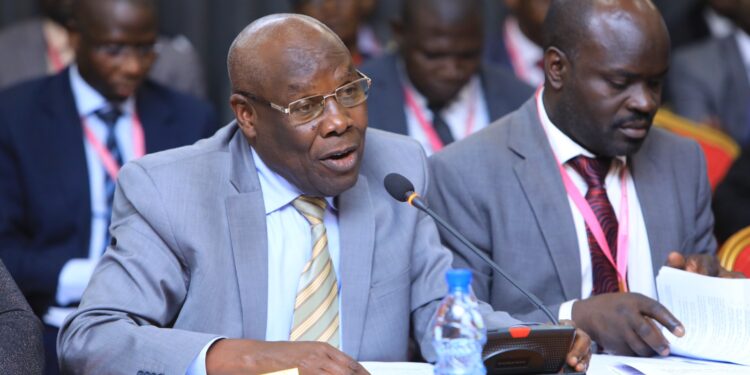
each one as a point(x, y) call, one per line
point(109, 116)
point(593, 172)
point(441, 127)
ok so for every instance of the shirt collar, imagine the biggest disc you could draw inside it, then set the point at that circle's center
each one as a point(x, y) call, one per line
point(277, 191)
point(563, 146)
point(88, 99)
point(743, 43)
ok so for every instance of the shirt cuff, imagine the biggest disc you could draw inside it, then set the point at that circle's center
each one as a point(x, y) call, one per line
point(566, 310)
point(198, 366)
point(74, 278)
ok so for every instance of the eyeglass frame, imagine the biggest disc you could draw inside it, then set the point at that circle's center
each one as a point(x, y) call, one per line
point(287, 111)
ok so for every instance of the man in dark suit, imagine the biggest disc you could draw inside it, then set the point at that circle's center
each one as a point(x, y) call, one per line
point(731, 204)
point(436, 89)
point(710, 81)
point(41, 46)
point(517, 189)
point(62, 141)
point(21, 350)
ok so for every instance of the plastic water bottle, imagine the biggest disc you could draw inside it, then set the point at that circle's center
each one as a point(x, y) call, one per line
point(459, 332)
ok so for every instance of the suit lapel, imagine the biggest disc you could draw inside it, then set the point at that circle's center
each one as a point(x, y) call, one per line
point(247, 228)
point(541, 183)
point(357, 245)
point(656, 196)
point(59, 130)
point(154, 115)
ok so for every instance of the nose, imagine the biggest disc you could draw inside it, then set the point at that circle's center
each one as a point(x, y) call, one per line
point(335, 120)
point(645, 98)
point(133, 65)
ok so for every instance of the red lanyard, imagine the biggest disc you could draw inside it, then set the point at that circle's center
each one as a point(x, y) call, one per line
point(593, 223)
point(110, 164)
point(55, 59)
point(435, 143)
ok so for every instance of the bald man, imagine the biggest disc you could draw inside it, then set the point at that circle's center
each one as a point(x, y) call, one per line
point(214, 268)
point(521, 189)
point(62, 141)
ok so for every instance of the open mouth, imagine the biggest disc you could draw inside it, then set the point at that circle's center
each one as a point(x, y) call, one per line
point(341, 161)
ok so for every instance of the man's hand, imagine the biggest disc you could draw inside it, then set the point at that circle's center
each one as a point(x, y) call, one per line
point(580, 353)
point(623, 323)
point(255, 357)
point(703, 264)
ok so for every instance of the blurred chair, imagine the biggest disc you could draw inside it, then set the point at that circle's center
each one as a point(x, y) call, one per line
point(720, 149)
point(734, 254)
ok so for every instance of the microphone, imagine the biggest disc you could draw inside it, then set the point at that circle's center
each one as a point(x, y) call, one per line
point(402, 190)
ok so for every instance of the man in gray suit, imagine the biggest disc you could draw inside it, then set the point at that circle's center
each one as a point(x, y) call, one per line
point(41, 46)
point(507, 191)
point(212, 269)
point(21, 349)
point(710, 81)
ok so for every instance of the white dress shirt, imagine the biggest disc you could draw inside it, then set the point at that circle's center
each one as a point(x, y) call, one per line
point(743, 43)
point(640, 272)
point(468, 104)
point(523, 53)
point(289, 248)
point(76, 272)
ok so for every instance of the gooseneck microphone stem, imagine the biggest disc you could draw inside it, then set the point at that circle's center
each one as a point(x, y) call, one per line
point(420, 205)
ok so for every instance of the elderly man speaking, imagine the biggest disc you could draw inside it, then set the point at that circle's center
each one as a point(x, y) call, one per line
point(272, 244)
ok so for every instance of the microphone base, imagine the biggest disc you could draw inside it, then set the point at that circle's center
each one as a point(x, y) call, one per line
point(528, 350)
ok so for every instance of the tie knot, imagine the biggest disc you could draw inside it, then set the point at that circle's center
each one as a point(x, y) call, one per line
point(592, 170)
point(312, 208)
point(109, 115)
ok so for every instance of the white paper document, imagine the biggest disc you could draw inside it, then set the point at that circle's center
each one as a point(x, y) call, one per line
point(611, 364)
point(398, 368)
point(714, 311)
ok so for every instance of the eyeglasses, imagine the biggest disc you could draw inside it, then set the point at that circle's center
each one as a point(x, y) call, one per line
point(303, 110)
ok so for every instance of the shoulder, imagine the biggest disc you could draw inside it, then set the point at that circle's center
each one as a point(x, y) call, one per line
point(181, 104)
point(380, 67)
point(25, 97)
point(703, 55)
point(202, 157)
point(497, 76)
point(664, 145)
point(387, 152)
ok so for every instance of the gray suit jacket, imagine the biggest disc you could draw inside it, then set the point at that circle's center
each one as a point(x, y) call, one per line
point(21, 350)
point(502, 189)
point(710, 80)
point(190, 261)
point(177, 66)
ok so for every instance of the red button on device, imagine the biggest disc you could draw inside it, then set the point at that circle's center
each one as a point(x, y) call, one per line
point(519, 332)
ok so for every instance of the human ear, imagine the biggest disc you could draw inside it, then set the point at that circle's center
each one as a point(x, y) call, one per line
point(245, 114)
point(556, 67)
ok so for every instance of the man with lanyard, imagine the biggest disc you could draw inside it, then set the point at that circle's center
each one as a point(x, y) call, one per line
point(62, 141)
point(290, 253)
point(575, 194)
point(435, 89)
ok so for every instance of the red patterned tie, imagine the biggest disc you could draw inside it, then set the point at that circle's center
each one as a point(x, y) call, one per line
point(593, 172)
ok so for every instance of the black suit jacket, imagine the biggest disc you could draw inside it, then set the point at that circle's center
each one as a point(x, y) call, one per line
point(503, 93)
point(732, 199)
point(45, 205)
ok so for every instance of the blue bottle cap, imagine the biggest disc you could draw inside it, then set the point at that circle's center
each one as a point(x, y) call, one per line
point(459, 278)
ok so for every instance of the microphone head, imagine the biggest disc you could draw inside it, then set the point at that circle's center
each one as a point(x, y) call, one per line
point(398, 186)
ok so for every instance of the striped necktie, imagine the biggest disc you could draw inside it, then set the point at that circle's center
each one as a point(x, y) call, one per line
point(109, 116)
point(594, 172)
point(316, 308)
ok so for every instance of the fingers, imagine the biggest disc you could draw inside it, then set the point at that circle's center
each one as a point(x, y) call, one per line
point(342, 363)
point(676, 260)
point(580, 354)
point(660, 313)
point(647, 339)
